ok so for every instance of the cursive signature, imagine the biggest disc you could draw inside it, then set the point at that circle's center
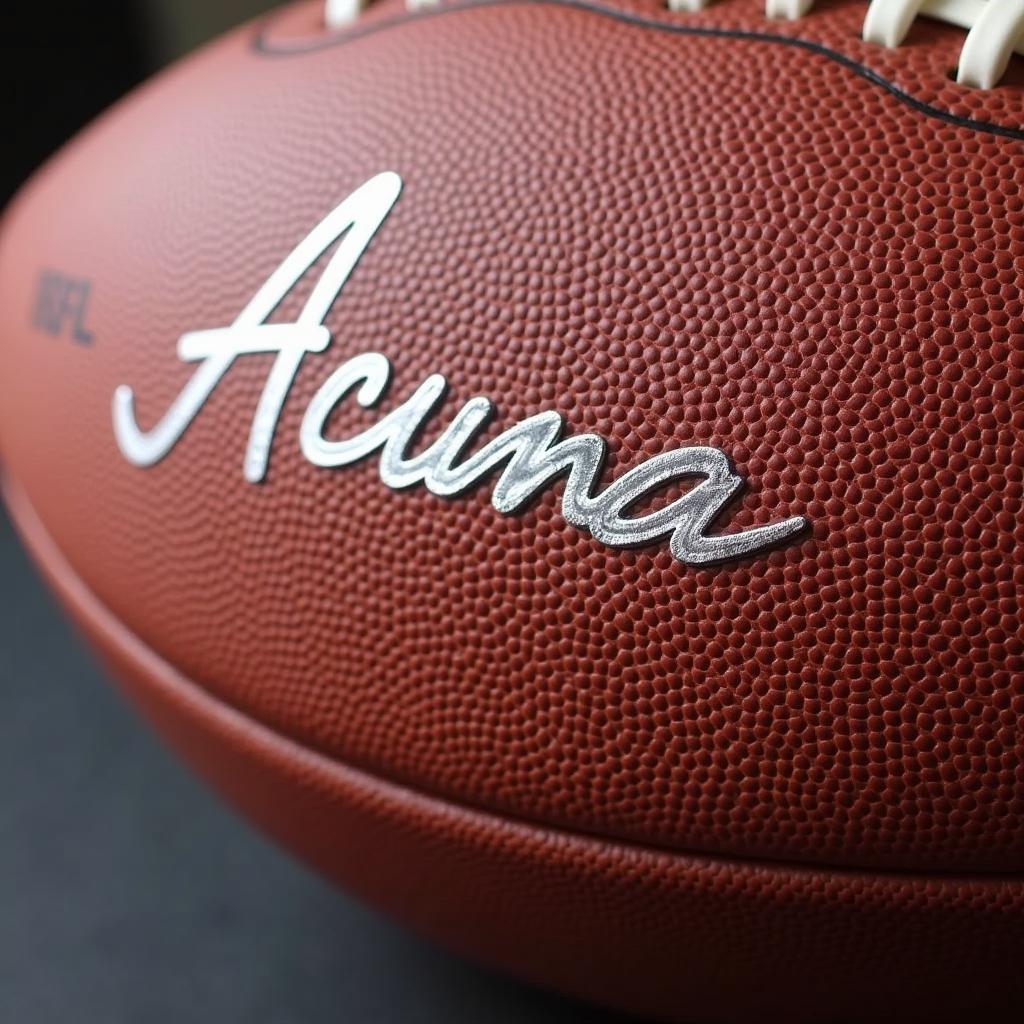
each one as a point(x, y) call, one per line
point(532, 452)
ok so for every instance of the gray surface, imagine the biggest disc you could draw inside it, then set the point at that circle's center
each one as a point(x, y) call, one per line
point(175, 27)
point(128, 893)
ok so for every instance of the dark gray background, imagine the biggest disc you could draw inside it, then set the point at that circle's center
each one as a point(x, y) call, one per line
point(128, 893)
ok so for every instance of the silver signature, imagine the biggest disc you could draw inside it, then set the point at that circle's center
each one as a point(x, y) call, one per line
point(533, 451)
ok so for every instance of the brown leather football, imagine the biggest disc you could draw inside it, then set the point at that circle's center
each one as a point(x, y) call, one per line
point(558, 467)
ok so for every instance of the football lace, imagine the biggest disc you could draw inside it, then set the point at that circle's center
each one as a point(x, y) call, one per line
point(995, 28)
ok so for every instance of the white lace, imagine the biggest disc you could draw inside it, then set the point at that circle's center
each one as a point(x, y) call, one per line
point(339, 13)
point(995, 28)
point(342, 12)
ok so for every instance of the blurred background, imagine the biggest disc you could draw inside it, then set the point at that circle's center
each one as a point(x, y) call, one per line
point(65, 60)
point(128, 893)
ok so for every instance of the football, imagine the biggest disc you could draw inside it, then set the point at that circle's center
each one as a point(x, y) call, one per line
point(558, 467)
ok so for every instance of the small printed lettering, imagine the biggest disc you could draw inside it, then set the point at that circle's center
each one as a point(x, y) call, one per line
point(61, 307)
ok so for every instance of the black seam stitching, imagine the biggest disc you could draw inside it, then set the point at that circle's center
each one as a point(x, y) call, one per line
point(262, 46)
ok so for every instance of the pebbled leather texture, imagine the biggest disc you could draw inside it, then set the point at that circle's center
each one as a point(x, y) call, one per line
point(674, 230)
point(670, 936)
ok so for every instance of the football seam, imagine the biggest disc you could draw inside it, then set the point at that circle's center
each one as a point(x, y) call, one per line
point(264, 47)
point(87, 606)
